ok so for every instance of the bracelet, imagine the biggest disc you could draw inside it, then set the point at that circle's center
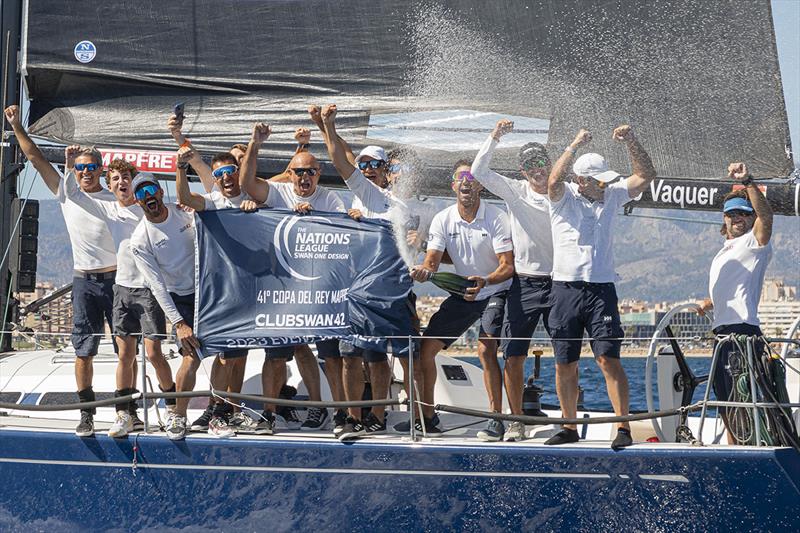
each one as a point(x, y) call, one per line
point(303, 146)
point(186, 143)
point(183, 166)
point(572, 150)
point(747, 181)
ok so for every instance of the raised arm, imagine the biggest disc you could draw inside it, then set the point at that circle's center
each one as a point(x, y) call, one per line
point(643, 170)
point(315, 112)
point(336, 150)
point(257, 188)
point(496, 183)
point(185, 195)
point(555, 182)
point(175, 125)
point(49, 174)
point(762, 227)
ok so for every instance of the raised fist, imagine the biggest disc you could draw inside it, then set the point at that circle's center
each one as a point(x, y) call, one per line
point(502, 127)
point(70, 153)
point(329, 113)
point(186, 153)
point(623, 134)
point(175, 123)
point(302, 135)
point(261, 132)
point(12, 115)
point(583, 137)
point(737, 171)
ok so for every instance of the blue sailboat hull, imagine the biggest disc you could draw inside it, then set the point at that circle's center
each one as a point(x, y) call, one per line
point(59, 482)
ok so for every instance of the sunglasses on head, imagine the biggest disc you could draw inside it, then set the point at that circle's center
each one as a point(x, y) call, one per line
point(227, 169)
point(301, 171)
point(738, 213)
point(372, 163)
point(146, 190)
point(91, 167)
point(464, 175)
point(536, 163)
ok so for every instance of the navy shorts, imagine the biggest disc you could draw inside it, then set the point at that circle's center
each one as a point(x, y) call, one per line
point(456, 315)
point(528, 300)
point(579, 306)
point(370, 356)
point(92, 301)
point(726, 366)
point(328, 348)
point(234, 354)
point(279, 352)
point(136, 311)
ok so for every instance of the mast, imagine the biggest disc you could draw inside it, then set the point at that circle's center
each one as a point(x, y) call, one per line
point(11, 27)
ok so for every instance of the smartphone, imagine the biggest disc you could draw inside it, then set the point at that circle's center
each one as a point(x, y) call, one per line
point(178, 110)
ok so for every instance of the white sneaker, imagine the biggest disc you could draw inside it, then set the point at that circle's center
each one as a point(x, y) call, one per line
point(218, 427)
point(176, 427)
point(515, 432)
point(241, 423)
point(121, 426)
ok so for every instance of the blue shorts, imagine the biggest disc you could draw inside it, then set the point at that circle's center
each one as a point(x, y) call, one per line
point(92, 301)
point(328, 348)
point(579, 306)
point(456, 315)
point(722, 373)
point(528, 300)
point(370, 356)
point(279, 352)
point(185, 306)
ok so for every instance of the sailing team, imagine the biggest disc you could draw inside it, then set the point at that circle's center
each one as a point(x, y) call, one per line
point(548, 257)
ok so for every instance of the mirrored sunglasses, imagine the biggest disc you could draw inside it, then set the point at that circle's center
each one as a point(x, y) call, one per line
point(91, 167)
point(372, 163)
point(464, 175)
point(146, 190)
point(227, 169)
point(301, 171)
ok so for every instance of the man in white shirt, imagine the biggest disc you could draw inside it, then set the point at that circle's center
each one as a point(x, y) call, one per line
point(477, 238)
point(227, 371)
point(94, 258)
point(529, 296)
point(136, 311)
point(303, 194)
point(583, 294)
point(737, 274)
point(163, 248)
point(372, 199)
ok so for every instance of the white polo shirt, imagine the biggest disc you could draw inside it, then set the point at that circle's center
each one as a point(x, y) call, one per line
point(92, 245)
point(371, 200)
point(164, 252)
point(736, 278)
point(583, 234)
point(528, 215)
point(121, 222)
point(473, 246)
point(282, 195)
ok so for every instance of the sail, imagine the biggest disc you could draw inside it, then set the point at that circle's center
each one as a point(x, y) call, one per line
point(698, 79)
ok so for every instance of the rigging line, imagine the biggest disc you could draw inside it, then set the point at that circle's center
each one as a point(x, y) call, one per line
point(675, 219)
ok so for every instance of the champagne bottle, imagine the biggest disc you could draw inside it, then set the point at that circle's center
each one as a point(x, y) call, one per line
point(451, 282)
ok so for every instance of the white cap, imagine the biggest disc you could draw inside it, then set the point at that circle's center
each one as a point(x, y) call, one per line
point(142, 178)
point(375, 152)
point(595, 166)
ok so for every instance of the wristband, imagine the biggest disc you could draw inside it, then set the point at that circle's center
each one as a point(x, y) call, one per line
point(186, 143)
point(303, 146)
point(747, 181)
point(183, 166)
point(571, 150)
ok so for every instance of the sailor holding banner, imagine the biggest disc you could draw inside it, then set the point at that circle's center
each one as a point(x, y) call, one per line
point(303, 194)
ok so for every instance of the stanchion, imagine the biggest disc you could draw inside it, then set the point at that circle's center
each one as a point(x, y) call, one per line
point(144, 384)
point(707, 395)
point(749, 341)
point(411, 387)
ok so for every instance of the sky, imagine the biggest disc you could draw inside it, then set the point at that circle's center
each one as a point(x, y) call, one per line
point(786, 17)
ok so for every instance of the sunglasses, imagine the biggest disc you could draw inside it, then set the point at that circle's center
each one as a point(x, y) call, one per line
point(146, 190)
point(227, 169)
point(399, 167)
point(538, 163)
point(301, 171)
point(372, 163)
point(91, 167)
point(738, 213)
point(464, 175)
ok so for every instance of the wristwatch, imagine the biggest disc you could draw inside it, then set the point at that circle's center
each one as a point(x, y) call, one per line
point(303, 146)
point(183, 165)
point(572, 150)
point(748, 180)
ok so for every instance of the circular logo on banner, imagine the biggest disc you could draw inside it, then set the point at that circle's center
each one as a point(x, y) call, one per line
point(85, 51)
point(298, 246)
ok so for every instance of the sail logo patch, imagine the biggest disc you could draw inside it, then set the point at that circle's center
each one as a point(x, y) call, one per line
point(85, 51)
